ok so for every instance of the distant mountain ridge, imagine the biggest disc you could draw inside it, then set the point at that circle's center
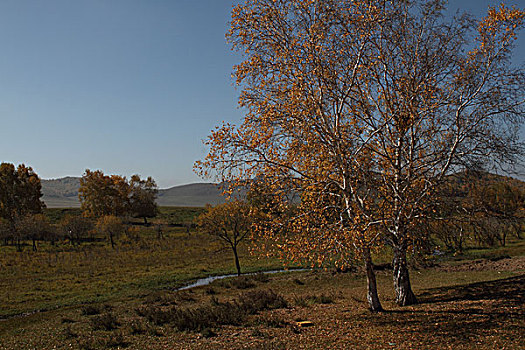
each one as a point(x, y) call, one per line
point(63, 193)
point(192, 195)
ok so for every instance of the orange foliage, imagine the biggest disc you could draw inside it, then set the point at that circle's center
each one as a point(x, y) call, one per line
point(361, 108)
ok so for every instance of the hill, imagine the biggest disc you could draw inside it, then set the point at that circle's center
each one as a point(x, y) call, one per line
point(192, 195)
point(63, 193)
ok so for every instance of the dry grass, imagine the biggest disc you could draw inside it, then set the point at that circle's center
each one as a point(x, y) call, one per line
point(66, 275)
point(481, 309)
point(98, 298)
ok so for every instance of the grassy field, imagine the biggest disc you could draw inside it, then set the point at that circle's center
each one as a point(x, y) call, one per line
point(93, 272)
point(169, 215)
point(95, 297)
point(67, 275)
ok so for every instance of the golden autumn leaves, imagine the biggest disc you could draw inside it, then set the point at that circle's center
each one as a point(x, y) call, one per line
point(361, 108)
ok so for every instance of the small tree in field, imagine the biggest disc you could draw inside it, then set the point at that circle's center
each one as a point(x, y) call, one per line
point(20, 192)
point(501, 207)
point(6, 232)
point(230, 222)
point(363, 108)
point(75, 228)
point(102, 194)
point(34, 227)
point(111, 227)
point(142, 198)
point(486, 206)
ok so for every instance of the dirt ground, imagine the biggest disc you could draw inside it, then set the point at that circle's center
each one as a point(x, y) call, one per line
point(477, 304)
point(506, 264)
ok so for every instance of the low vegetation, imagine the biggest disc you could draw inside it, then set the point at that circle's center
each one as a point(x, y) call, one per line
point(468, 301)
point(73, 279)
point(80, 269)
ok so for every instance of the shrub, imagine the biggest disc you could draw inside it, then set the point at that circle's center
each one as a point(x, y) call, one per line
point(67, 320)
point(90, 310)
point(298, 282)
point(208, 333)
point(215, 313)
point(312, 299)
point(243, 283)
point(155, 315)
point(210, 291)
point(226, 314)
point(257, 333)
point(138, 327)
point(90, 344)
point(500, 257)
point(224, 283)
point(258, 300)
point(193, 319)
point(272, 321)
point(184, 296)
point(324, 299)
point(142, 311)
point(106, 321)
point(261, 277)
point(300, 301)
point(162, 298)
point(116, 341)
point(69, 333)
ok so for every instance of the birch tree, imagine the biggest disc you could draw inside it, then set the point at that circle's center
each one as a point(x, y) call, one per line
point(362, 108)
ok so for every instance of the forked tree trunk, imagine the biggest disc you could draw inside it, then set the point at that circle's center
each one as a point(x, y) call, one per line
point(403, 290)
point(373, 298)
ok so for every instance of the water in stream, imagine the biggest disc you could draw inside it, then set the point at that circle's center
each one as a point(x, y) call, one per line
point(207, 280)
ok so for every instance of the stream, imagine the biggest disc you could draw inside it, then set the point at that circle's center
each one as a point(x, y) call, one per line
point(207, 280)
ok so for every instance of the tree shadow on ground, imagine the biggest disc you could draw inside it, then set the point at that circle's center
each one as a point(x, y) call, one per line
point(463, 315)
point(508, 291)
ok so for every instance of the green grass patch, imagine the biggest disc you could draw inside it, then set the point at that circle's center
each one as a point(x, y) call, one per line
point(56, 214)
point(179, 215)
point(64, 275)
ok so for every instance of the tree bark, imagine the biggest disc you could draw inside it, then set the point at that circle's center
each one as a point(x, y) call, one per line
point(373, 298)
point(403, 290)
point(237, 265)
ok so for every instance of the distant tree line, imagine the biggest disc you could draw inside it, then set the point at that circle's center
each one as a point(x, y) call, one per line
point(478, 208)
point(20, 192)
point(103, 195)
point(106, 202)
point(109, 198)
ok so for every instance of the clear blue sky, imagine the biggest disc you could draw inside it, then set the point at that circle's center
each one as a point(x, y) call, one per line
point(124, 86)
